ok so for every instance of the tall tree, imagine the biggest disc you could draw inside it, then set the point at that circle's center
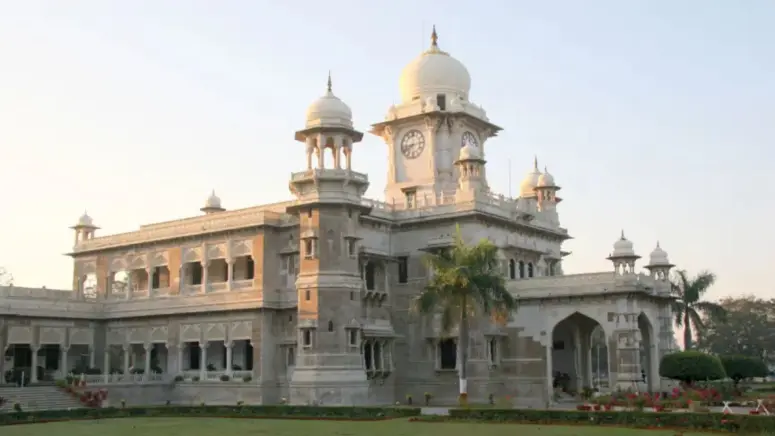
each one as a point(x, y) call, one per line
point(688, 307)
point(467, 282)
point(747, 329)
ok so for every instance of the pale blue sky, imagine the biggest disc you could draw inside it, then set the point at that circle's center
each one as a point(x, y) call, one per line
point(656, 116)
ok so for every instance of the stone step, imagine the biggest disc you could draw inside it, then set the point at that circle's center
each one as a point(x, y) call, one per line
point(38, 398)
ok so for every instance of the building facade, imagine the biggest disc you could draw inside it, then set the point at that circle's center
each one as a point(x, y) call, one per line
point(309, 300)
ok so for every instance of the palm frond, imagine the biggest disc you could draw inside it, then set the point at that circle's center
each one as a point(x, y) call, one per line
point(711, 310)
point(678, 312)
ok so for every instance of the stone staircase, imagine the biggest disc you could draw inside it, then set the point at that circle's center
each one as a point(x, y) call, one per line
point(37, 398)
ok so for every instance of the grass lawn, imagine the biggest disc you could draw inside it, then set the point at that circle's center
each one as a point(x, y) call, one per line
point(254, 427)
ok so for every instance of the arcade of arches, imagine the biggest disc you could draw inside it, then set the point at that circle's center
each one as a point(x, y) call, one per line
point(583, 356)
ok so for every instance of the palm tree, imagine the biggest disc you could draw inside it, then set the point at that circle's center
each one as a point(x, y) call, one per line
point(467, 282)
point(688, 308)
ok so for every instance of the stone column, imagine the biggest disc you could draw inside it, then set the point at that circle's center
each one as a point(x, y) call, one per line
point(92, 357)
point(181, 347)
point(34, 369)
point(129, 284)
point(229, 345)
point(147, 371)
point(203, 360)
point(229, 273)
point(63, 360)
point(577, 357)
point(204, 264)
point(149, 272)
point(106, 363)
point(127, 349)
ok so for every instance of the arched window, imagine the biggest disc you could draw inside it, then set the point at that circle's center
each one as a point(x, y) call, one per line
point(512, 269)
point(521, 269)
point(530, 269)
point(330, 326)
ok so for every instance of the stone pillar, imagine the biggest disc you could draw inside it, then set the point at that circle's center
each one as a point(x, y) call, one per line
point(149, 272)
point(147, 371)
point(181, 347)
point(203, 360)
point(92, 357)
point(63, 360)
point(129, 284)
point(577, 358)
point(34, 369)
point(127, 349)
point(549, 374)
point(229, 273)
point(106, 364)
point(205, 265)
point(229, 345)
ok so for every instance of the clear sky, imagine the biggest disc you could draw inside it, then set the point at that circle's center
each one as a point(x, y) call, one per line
point(655, 116)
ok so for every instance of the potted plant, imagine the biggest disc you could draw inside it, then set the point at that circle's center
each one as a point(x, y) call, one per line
point(428, 397)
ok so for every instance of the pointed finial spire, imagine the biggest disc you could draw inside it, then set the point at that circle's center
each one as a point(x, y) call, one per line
point(623, 238)
point(657, 244)
point(329, 82)
point(434, 38)
point(546, 169)
point(535, 162)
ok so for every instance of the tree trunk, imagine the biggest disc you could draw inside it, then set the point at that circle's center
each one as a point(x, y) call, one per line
point(687, 331)
point(463, 343)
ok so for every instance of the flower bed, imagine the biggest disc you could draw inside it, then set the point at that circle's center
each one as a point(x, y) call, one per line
point(272, 412)
point(88, 398)
point(684, 421)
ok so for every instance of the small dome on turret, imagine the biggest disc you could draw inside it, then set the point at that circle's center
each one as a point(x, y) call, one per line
point(468, 152)
point(546, 180)
point(212, 204)
point(658, 257)
point(85, 220)
point(329, 111)
point(623, 247)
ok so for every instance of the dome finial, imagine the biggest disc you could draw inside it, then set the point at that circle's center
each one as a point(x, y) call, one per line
point(434, 38)
point(329, 82)
point(535, 162)
point(623, 238)
point(546, 169)
point(657, 244)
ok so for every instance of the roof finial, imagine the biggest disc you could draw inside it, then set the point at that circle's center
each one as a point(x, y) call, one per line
point(657, 244)
point(329, 82)
point(546, 169)
point(434, 38)
point(535, 162)
point(623, 238)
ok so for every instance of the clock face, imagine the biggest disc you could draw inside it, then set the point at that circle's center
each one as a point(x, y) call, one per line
point(412, 144)
point(470, 139)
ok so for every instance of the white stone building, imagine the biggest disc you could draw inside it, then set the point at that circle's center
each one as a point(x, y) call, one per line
point(309, 299)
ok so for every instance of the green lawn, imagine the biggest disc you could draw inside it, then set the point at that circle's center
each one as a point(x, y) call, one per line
point(254, 427)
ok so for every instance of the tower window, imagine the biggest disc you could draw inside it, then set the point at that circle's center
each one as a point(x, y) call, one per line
point(441, 101)
point(307, 295)
point(447, 354)
point(411, 199)
point(403, 269)
point(353, 337)
point(309, 248)
point(330, 326)
point(351, 247)
point(306, 338)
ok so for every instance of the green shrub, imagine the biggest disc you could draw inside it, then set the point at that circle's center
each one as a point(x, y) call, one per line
point(689, 421)
point(691, 366)
point(743, 367)
point(212, 411)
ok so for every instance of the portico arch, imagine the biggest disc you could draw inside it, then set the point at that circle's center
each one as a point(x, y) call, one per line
point(571, 353)
point(649, 362)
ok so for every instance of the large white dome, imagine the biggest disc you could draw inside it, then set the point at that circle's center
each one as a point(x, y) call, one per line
point(329, 111)
point(434, 72)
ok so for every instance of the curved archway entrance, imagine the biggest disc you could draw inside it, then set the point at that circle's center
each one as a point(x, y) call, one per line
point(649, 362)
point(577, 360)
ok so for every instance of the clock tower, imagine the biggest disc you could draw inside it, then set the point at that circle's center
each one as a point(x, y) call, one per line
point(427, 130)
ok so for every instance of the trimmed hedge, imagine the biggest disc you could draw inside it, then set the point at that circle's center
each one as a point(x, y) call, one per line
point(691, 366)
point(275, 412)
point(689, 421)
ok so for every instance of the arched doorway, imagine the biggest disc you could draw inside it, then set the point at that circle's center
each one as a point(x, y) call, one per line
point(649, 363)
point(573, 365)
